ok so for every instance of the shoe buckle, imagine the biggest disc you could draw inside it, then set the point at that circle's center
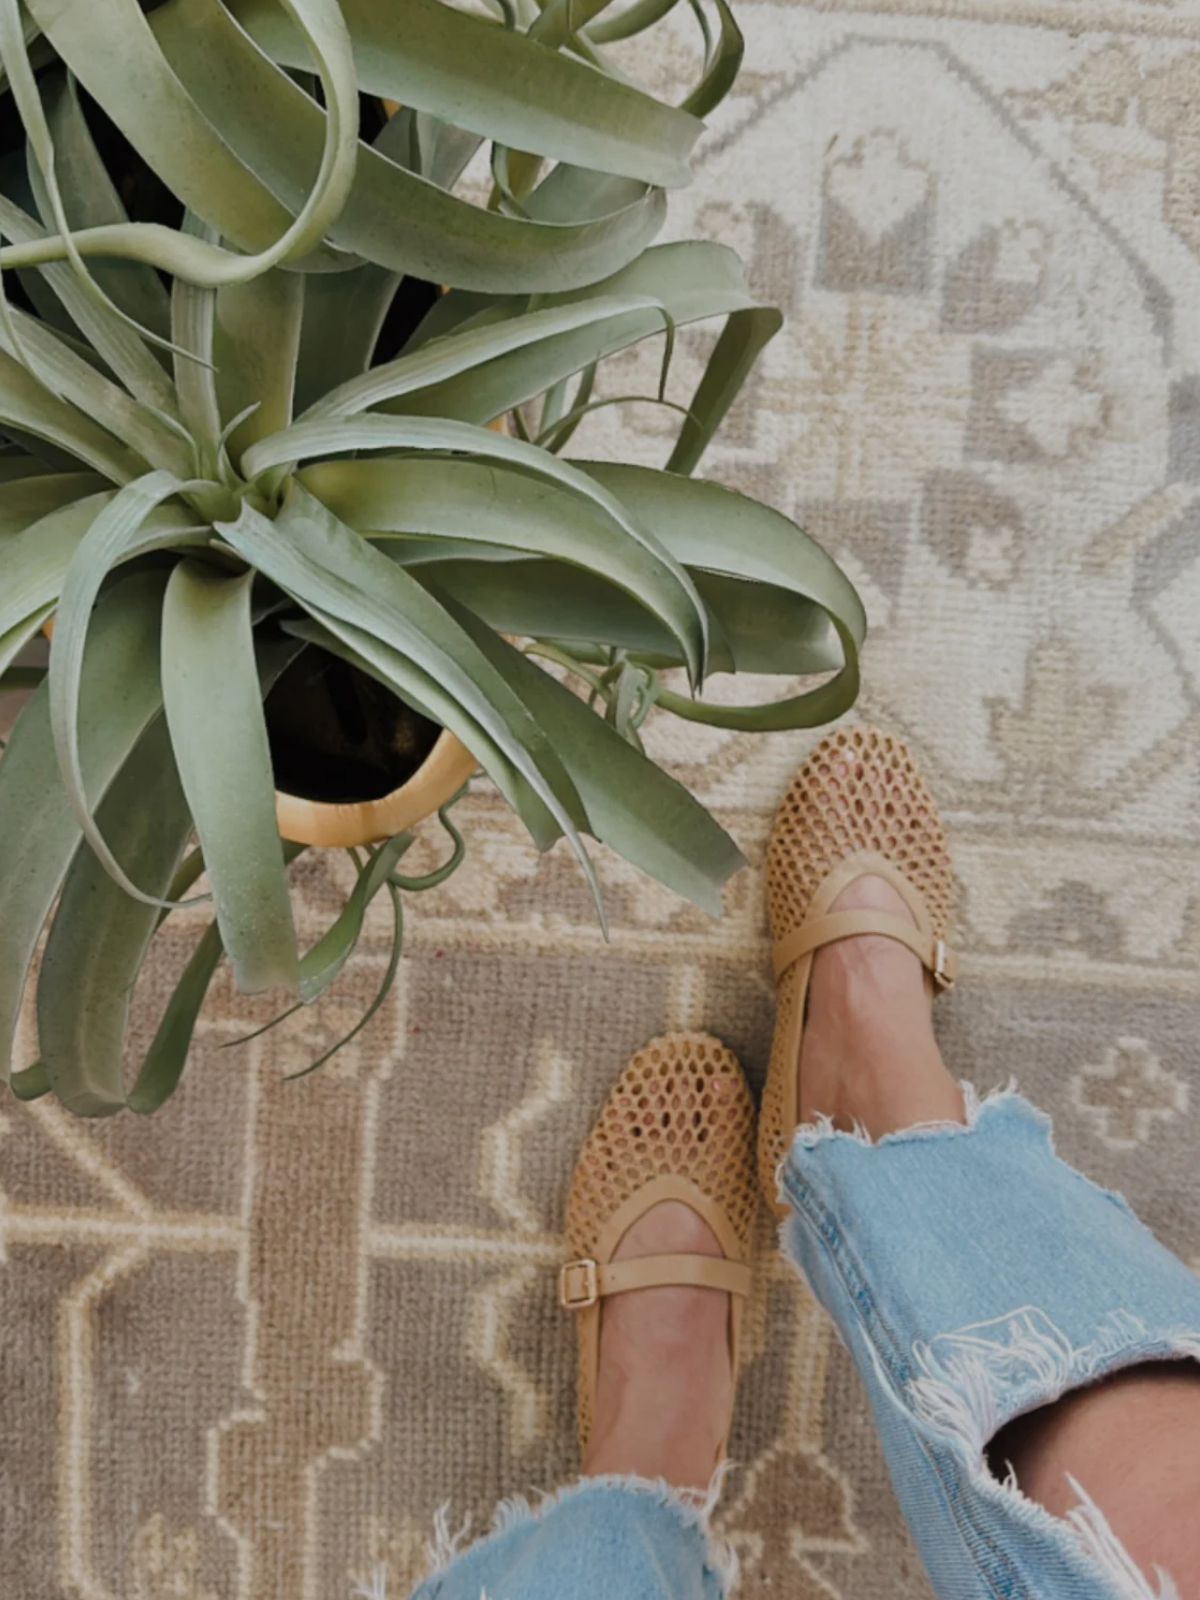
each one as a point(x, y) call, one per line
point(578, 1285)
point(942, 977)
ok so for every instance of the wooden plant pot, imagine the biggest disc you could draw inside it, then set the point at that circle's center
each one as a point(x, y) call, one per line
point(317, 822)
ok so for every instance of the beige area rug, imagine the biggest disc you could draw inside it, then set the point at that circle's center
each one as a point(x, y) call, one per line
point(250, 1347)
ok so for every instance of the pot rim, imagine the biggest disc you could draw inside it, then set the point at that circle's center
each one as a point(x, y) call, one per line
point(345, 825)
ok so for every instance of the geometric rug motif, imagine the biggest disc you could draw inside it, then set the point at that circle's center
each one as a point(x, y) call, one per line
point(252, 1344)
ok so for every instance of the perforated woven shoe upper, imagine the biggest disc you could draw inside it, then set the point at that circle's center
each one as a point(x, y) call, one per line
point(669, 1116)
point(682, 1108)
point(859, 790)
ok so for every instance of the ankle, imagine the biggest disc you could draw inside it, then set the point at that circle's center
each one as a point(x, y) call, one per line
point(656, 1434)
point(870, 1058)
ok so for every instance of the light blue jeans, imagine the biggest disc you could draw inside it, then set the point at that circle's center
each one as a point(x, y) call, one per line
point(973, 1276)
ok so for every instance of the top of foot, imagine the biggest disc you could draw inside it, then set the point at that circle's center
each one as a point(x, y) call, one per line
point(868, 1057)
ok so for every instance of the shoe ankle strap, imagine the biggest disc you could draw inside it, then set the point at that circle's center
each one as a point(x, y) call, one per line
point(582, 1283)
point(935, 954)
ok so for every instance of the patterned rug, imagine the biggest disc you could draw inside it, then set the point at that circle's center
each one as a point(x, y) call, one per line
point(251, 1346)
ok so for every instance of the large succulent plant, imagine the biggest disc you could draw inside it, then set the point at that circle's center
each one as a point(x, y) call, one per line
point(213, 462)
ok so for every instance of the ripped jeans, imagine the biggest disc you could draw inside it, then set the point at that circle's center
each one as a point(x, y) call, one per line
point(973, 1277)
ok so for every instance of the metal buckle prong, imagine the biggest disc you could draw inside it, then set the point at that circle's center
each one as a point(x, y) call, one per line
point(578, 1285)
point(941, 976)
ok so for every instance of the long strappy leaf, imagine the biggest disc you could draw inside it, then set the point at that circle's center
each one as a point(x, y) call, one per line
point(214, 712)
point(687, 618)
point(39, 831)
point(85, 984)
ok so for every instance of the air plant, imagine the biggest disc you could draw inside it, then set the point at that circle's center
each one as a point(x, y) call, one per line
point(284, 412)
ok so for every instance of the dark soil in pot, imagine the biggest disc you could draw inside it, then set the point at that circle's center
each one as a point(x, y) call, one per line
point(338, 736)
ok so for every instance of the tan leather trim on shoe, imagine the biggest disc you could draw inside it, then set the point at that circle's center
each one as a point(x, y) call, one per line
point(626, 1272)
point(650, 1272)
point(654, 1193)
point(934, 954)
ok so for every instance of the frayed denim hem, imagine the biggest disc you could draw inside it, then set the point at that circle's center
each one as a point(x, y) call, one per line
point(821, 1131)
point(694, 1508)
point(977, 1109)
point(809, 1134)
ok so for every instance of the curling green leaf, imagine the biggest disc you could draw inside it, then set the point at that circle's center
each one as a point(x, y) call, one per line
point(632, 20)
point(39, 832)
point(86, 982)
point(26, 404)
point(424, 692)
point(165, 123)
point(31, 1084)
point(193, 314)
point(393, 217)
point(77, 383)
point(257, 337)
point(42, 157)
point(492, 503)
point(120, 347)
point(342, 316)
point(498, 83)
point(36, 560)
point(631, 804)
point(754, 628)
point(424, 144)
point(435, 363)
point(684, 282)
point(381, 994)
point(336, 575)
point(90, 201)
point(321, 965)
point(811, 709)
point(562, 20)
point(687, 618)
point(713, 527)
point(742, 340)
point(722, 67)
point(30, 499)
point(163, 1065)
point(116, 532)
point(214, 711)
point(703, 524)
point(14, 639)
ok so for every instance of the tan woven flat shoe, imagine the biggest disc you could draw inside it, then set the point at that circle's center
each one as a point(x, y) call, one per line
point(856, 808)
point(666, 1133)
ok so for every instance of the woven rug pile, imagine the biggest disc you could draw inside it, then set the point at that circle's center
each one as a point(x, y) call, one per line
point(249, 1347)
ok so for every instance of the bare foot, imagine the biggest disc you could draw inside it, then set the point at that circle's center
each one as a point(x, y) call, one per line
point(868, 1054)
point(665, 1386)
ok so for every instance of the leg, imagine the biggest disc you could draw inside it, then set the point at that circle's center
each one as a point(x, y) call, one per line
point(1131, 1441)
point(664, 1388)
point(636, 1525)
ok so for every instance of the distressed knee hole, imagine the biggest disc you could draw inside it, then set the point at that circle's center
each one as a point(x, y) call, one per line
point(1009, 1453)
point(1010, 1395)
